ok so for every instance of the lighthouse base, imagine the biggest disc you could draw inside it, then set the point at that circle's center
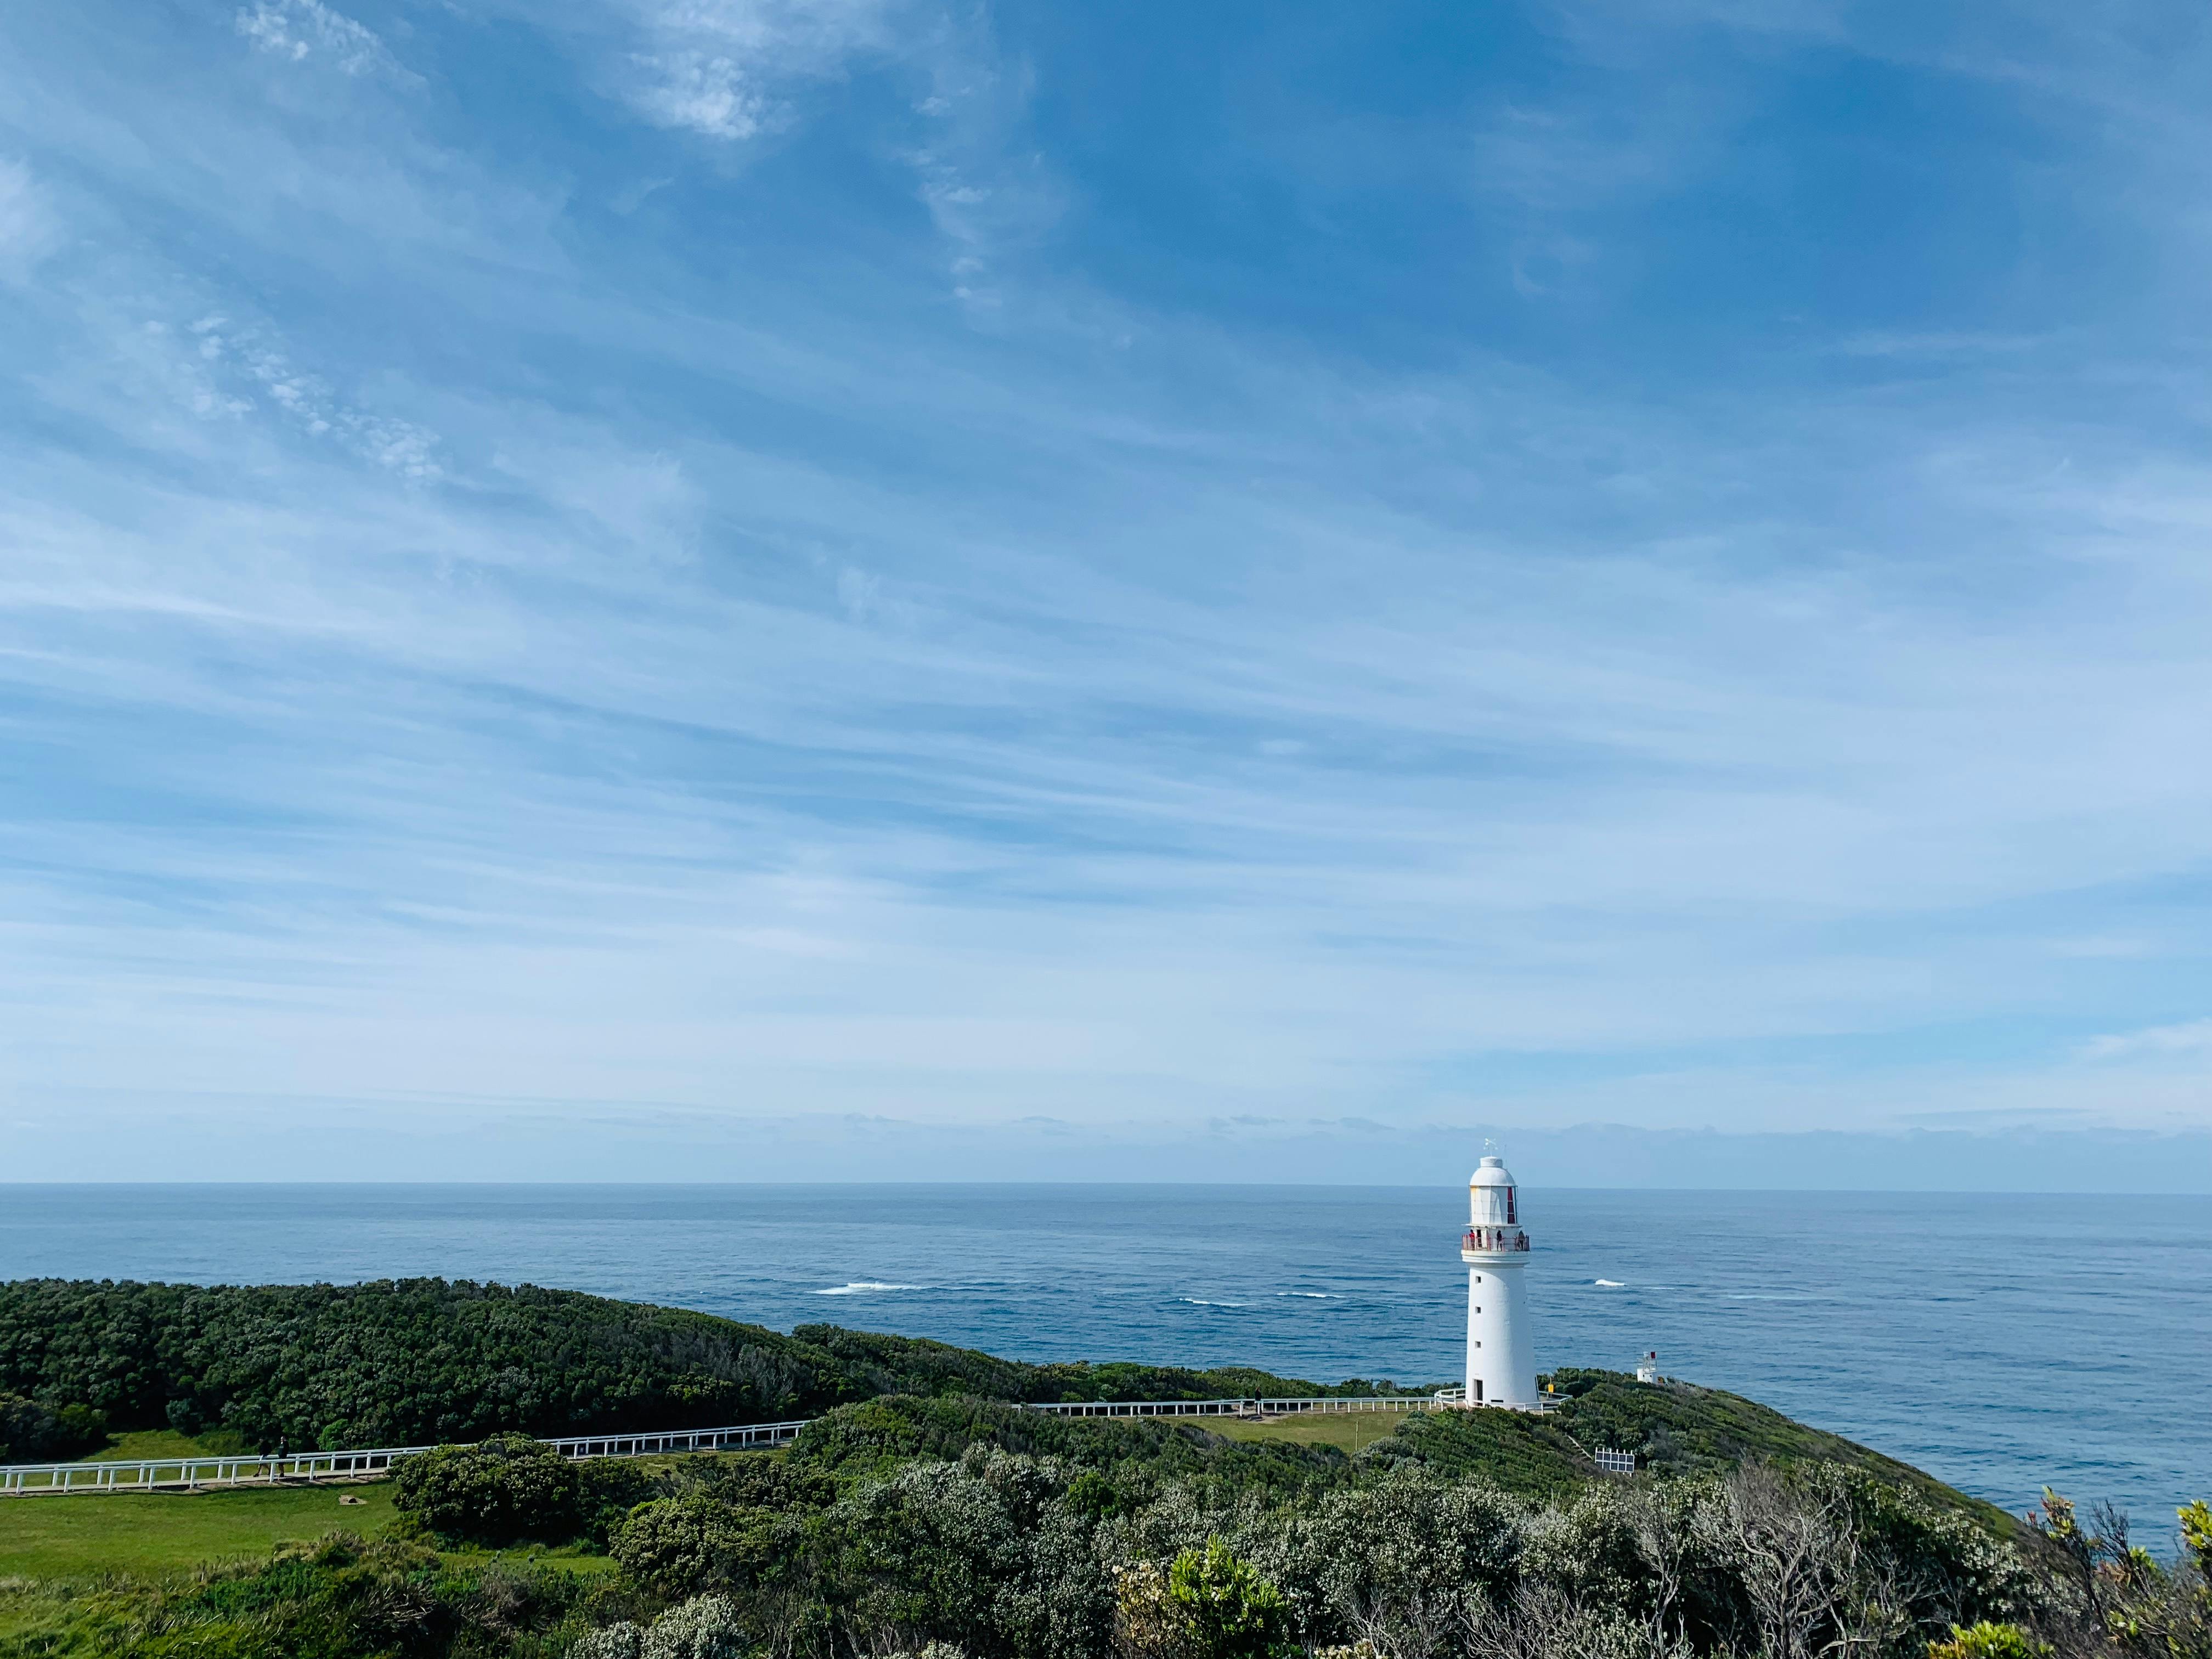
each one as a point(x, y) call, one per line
point(1501, 1366)
point(1456, 1399)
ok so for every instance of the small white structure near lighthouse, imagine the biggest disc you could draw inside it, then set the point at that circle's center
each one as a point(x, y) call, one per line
point(1501, 1360)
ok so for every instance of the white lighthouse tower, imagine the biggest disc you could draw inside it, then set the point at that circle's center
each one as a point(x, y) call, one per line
point(1501, 1362)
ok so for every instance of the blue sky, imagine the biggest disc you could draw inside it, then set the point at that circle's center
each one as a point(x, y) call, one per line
point(731, 588)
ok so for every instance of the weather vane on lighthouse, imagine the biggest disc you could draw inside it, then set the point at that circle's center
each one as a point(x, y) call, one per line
point(1501, 1366)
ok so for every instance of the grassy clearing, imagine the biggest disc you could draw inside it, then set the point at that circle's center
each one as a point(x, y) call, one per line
point(149, 1533)
point(1346, 1430)
point(160, 1532)
point(145, 1445)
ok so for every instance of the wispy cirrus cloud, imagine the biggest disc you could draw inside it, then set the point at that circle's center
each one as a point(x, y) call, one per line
point(30, 226)
point(990, 191)
point(726, 69)
point(299, 30)
point(2189, 1037)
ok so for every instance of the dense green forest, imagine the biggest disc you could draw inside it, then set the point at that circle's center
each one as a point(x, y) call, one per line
point(410, 1361)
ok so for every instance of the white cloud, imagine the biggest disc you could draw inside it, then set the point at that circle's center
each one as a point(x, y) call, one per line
point(990, 191)
point(711, 95)
point(861, 595)
point(223, 370)
point(2190, 1038)
point(30, 229)
point(726, 69)
point(1954, 343)
point(297, 30)
point(732, 69)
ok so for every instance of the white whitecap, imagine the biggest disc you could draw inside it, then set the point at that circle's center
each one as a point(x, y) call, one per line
point(1316, 1296)
point(863, 1286)
point(1609, 1284)
point(1201, 1302)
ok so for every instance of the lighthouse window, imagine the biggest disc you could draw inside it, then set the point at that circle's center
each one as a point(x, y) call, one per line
point(1509, 1219)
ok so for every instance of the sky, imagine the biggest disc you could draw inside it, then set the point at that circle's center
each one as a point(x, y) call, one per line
point(744, 589)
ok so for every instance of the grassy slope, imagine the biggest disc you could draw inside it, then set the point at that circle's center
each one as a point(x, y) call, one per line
point(145, 1445)
point(874, 1437)
point(164, 1532)
point(1348, 1432)
point(150, 1533)
point(1526, 1455)
point(1681, 1428)
point(1674, 1427)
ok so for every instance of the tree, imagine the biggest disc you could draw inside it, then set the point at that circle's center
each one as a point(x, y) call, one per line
point(1209, 1604)
point(498, 1491)
point(686, 1545)
point(33, 1433)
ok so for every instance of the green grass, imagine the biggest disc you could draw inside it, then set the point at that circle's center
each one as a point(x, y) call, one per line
point(1346, 1430)
point(153, 1532)
point(145, 1445)
point(149, 1533)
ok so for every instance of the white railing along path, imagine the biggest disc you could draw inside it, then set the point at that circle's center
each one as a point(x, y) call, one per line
point(287, 1468)
point(271, 1468)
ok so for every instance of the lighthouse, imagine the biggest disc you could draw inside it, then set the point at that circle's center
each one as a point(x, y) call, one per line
point(1501, 1364)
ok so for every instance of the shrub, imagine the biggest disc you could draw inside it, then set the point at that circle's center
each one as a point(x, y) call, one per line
point(499, 1491)
point(33, 1433)
point(2197, 1537)
point(608, 1489)
point(698, 1543)
point(984, 1554)
point(621, 1640)
point(1233, 1612)
point(1988, 1641)
point(704, 1627)
point(1208, 1604)
point(761, 1480)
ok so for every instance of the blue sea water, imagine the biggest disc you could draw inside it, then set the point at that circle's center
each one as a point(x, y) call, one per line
point(2000, 1342)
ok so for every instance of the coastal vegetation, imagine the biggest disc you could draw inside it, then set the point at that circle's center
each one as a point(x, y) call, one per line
point(412, 1362)
point(940, 1520)
point(33, 1431)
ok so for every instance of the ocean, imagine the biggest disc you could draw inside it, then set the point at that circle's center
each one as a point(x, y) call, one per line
point(2000, 1342)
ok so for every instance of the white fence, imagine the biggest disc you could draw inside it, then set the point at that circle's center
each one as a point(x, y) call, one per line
point(200, 1474)
point(1233, 1408)
point(304, 1468)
